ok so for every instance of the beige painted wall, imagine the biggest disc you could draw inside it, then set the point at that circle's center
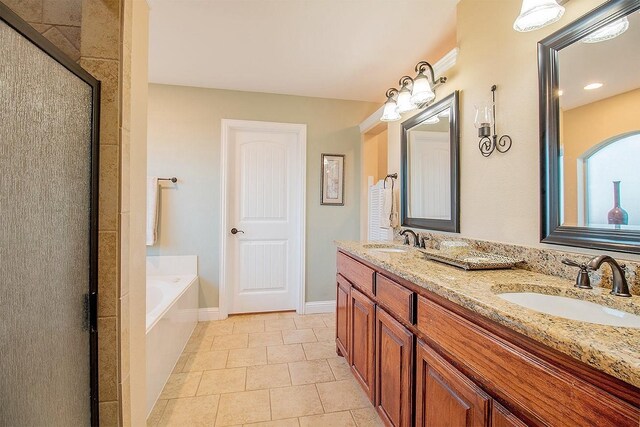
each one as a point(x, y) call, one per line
point(184, 141)
point(134, 179)
point(584, 127)
point(374, 164)
point(500, 195)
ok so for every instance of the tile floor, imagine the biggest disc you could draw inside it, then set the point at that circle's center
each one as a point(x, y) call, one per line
point(274, 369)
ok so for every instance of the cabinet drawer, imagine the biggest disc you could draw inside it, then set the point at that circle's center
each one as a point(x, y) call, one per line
point(357, 273)
point(395, 298)
point(546, 394)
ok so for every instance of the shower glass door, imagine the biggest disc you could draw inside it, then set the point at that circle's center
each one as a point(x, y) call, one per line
point(48, 232)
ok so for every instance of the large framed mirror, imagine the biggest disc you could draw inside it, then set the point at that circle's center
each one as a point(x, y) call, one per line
point(430, 167)
point(589, 76)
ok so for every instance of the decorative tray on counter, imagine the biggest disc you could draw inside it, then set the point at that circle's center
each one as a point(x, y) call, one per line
point(471, 260)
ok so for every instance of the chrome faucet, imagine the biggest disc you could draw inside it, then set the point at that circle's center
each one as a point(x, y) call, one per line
point(406, 232)
point(620, 286)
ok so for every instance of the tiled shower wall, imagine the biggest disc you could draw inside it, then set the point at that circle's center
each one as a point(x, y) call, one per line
point(57, 20)
point(91, 32)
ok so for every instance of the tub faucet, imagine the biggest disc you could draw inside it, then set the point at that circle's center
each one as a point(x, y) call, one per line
point(406, 232)
point(620, 286)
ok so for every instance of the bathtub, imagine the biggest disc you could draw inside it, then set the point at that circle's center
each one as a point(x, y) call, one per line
point(172, 315)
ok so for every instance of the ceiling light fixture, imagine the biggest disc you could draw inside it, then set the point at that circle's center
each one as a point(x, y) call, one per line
point(592, 86)
point(536, 14)
point(414, 93)
point(608, 32)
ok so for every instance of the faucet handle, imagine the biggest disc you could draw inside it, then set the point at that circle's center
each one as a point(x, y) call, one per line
point(582, 281)
point(572, 263)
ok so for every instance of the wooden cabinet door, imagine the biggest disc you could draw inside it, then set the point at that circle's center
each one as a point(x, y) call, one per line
point(501, 417)
point(362, 313)
point(394, 356)
point(445, 397)
point(343, 295)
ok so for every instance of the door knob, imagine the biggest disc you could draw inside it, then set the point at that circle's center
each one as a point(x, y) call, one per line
point(236, 231)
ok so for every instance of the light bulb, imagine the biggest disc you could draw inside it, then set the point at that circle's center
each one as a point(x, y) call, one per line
point(608, 32)
point(390, 112)
point(536, 14)
point(422, 92)
point(404, 101)
point(432, 120)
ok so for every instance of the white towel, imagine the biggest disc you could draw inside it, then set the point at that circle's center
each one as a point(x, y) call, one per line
point(152, 210)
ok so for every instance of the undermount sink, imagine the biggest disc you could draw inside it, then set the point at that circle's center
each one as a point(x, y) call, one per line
point(573, 309)
point(385, 248)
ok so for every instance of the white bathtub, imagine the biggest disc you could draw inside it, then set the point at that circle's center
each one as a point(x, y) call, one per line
point(172, 315)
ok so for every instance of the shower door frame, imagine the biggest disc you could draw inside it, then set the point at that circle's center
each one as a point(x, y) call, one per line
point(37, 39)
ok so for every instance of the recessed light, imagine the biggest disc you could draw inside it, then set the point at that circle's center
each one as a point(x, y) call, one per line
point(592, 86)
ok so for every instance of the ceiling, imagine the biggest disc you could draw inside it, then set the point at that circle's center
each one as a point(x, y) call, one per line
point(344, 49)
point(614, 63)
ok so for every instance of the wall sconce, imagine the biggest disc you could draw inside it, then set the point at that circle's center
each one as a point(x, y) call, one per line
point(484, 122)
point(414, 93)
point(536, 14)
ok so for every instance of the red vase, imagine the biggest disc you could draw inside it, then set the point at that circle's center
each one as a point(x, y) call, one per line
point(617, 215)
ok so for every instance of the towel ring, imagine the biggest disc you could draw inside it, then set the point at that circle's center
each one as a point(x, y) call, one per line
point(393, 177)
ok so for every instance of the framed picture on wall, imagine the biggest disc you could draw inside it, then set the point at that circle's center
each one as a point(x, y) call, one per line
point(332, 179)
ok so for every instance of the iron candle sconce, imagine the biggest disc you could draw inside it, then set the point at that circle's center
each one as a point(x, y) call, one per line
point(485, 121)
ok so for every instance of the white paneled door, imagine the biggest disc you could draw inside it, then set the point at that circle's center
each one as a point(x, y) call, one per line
point(265, 215)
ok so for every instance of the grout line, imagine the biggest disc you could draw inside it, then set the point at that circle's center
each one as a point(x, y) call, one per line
point(324, 411)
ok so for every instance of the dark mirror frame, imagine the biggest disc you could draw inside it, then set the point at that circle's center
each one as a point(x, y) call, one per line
point(452, 225)
point(552, 231)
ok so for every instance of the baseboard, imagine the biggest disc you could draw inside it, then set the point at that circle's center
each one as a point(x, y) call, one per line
point(315, 307)
point(208, 314)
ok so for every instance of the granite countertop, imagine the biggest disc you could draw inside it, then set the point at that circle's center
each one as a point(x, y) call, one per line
point(614, 350)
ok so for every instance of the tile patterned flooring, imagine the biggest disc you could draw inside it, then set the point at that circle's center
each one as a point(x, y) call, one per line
point(268, 370)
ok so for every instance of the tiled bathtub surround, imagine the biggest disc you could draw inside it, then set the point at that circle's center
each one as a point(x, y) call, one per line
point(613, 350)
point(545, 261)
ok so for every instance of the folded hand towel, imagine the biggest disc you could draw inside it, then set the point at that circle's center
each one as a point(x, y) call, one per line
point(152, 210)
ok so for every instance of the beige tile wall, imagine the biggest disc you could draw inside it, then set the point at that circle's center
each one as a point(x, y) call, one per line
point(91, 32)
point(58, 20)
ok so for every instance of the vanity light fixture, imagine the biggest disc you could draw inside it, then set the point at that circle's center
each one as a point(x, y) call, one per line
point(404, 96)
point(390, 112)
point(445, 113)
point(414, 93)
point(608, 32)
point(432, 120)
point(536, 14)
point(592, 86)
point(484, 122)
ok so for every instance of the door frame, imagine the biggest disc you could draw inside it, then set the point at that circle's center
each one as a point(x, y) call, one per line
point(227, 127)
point(27, 31)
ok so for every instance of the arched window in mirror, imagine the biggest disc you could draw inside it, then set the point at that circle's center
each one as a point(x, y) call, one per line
point(609, 183)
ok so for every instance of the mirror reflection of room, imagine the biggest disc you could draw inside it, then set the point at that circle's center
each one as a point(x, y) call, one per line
point(599, 93)
point(429, 168)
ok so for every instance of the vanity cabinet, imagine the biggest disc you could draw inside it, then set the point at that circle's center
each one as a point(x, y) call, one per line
point(444, 396)
point(361, 351)
point(426, 361)
point(343, 299)
point(394, 361)
point(501, 417)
